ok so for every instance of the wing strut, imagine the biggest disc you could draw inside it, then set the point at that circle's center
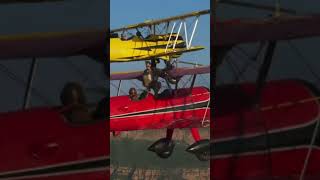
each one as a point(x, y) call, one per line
point(29, 85)
point(193, 81)
point(119, 87)
point(264, 69)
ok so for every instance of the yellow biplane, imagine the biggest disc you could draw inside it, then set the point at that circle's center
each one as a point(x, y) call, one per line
point(150, 43)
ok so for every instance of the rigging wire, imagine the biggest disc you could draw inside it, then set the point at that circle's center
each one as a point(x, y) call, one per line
point(234, 68)
point(304, 61)
point(251, 61)
point(4, 69)
point(257, 108)
point(85, 77)
point(115, 86)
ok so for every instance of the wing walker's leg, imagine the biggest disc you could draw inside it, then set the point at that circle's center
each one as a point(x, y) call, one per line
point(154, 63)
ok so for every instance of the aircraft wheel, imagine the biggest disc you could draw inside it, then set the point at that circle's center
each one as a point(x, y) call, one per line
point(203, 156)
point(165, 154)
point(200, 149)
point(163, 147)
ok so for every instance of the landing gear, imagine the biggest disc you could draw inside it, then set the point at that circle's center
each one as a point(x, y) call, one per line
point(164, 146)
point(200, 149)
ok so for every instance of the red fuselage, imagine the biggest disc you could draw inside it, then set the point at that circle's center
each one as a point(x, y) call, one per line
point(271, 142)
point(184, 109)
point(40, 143)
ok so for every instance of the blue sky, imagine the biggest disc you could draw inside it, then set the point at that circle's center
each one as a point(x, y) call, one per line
point(124, 13)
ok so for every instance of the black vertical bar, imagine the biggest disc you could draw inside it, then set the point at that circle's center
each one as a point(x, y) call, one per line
point(193, 81)
point(119, 87)
point(107, 72)
point(264, 69)
point(213, 63)
point(29, 85)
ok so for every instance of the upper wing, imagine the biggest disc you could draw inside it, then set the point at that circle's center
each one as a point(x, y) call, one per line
point(177, 72)
point(169, 53)
point(231, 32)
point(53, 44)
point(256, 6)
point(159, 21)
point(126, 75)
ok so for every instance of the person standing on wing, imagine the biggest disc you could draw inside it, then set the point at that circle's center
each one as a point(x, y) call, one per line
point(150, 78)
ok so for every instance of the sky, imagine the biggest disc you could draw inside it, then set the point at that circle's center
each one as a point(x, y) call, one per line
point(125, 12)
point(51, 73)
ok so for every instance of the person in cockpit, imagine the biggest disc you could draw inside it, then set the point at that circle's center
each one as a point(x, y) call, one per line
point(134, 95)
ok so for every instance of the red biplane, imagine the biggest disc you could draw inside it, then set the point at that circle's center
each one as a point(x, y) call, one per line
point(50, 142)
point(179, 108)
point(173, 108)
point(270, 130)
point(70, 141)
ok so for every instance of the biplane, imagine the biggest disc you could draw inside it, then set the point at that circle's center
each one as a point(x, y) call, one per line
point(60, 139)
point(154, 40)
point(265, 129)
point(173, 108)
point(54, 142)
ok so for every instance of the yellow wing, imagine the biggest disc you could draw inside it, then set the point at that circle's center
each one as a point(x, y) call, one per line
point(162, 55)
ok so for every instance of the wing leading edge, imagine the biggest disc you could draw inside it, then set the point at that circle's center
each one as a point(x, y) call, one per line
point(53, 44)
point(231, 32)
point(177, 72)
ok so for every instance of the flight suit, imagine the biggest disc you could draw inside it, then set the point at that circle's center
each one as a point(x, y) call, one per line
point(150, 80)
